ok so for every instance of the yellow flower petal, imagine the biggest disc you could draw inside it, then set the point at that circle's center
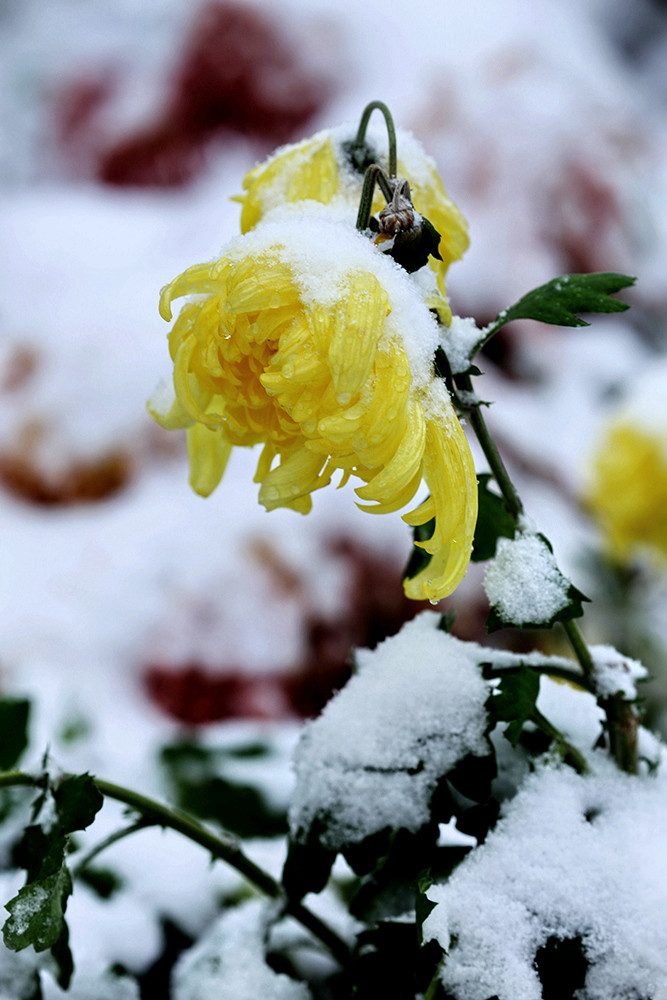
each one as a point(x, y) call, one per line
point(306, 171)
point(321, 388)
point(358, 322)
point(628, 495)
point(209, 451)
point(293, 480)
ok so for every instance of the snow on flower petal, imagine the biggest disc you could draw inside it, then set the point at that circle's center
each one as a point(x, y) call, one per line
point(304, 338)
point(320, 169)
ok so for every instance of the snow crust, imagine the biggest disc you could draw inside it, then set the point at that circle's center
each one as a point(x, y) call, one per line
point(523, 582)
point(373, 757)
point(227, 963)
point(459, 340)
point(615, 673)
point(572, 857)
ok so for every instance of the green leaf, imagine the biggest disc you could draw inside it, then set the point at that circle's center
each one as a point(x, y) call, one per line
point(514, 701)
point(200, 787)
point(14, 714)
point(561, 300)
point(419, 558)
point(62, 956)
point(573, 609)
point(37, 913)
point(423, 905)
point(493, 521)
point(41, 853)
point(78, 800)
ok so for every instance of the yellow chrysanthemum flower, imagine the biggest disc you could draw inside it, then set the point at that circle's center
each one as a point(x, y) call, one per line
point(304, 338)
point(628, 495)
point(319, 169)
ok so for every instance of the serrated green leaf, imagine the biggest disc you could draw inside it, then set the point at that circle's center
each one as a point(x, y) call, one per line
point(62, 956)
point(493, 521)
point(37, 912)
point(514, 701)
point(560, 301)
point(78, 800)
point(14, 714)
point(40, 852)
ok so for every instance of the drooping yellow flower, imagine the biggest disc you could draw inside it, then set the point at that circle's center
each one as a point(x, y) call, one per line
point(320, 169)
point(628, 495)
point(305, 339)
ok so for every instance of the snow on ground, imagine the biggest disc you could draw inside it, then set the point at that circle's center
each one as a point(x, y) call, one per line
point(553, 143)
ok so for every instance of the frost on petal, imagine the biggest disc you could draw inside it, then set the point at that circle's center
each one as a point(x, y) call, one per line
point(307, 170)
point(373, 758)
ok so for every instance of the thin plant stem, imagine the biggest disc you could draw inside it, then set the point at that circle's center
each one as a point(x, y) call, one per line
point(374, 175)
point(562, 673)
point(622, 718)
point(113, 838)
point(569, 752)
point(491, 453)
point(391, 131)
point(223, 846)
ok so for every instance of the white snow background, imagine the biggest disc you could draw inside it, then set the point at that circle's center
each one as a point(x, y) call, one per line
point(533, 111)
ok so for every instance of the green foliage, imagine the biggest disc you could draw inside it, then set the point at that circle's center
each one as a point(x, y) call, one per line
point(493, 521)
point(14, 715)
point(560, 301)
point(37, 912)
point(514, 701)
point(200, 785)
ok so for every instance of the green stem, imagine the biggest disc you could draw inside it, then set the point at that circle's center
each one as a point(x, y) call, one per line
point(491, 453)
point(622, 719)
point(570, 753)
point(113, 838)
point(224, 846)
point(391, 131)
point(581, 650)
point(623, 726)
point(563, 673)
point(366, 200)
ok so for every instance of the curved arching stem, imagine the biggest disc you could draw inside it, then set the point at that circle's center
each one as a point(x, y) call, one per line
point(391, 131)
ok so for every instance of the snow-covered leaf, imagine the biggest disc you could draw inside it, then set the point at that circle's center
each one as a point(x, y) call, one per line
point(525, 587)
point(37, 912)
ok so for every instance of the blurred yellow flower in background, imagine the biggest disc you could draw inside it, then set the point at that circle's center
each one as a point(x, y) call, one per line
point(305, 339)
point(319, 169)
point(628, 494)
